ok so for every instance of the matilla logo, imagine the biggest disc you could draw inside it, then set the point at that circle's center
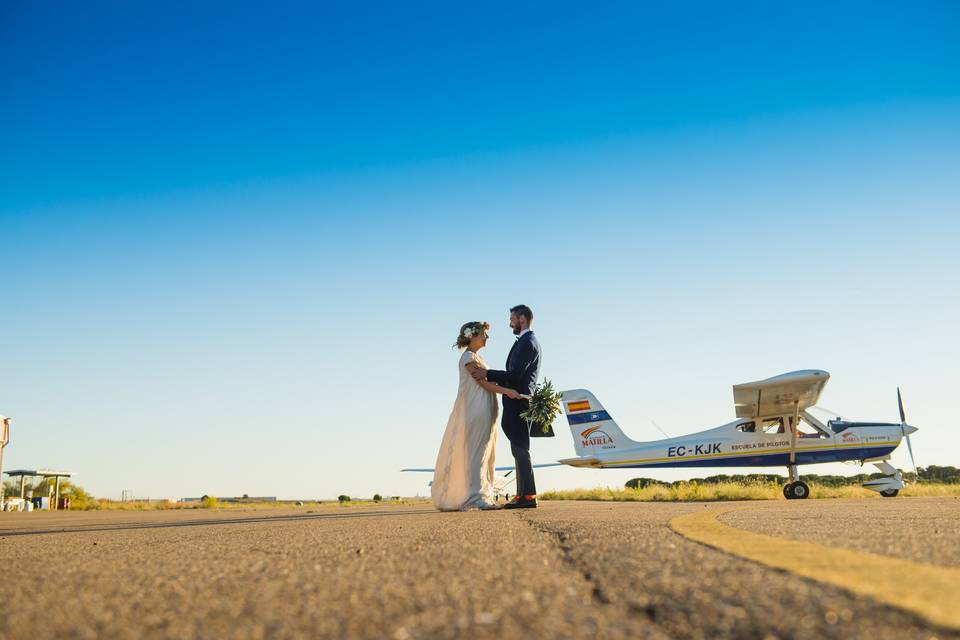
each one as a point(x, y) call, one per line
point(595, 437)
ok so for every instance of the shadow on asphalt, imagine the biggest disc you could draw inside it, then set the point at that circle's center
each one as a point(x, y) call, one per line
point(207, 523)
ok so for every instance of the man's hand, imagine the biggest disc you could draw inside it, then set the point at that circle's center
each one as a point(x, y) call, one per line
point(513, 395)
point(478, 372)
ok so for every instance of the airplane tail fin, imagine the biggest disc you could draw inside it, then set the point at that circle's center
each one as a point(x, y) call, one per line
point(592, 428)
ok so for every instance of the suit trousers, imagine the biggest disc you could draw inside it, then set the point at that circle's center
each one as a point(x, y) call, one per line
point(518, 433)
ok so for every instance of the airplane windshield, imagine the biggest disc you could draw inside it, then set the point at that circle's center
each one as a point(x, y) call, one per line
point(807, 430)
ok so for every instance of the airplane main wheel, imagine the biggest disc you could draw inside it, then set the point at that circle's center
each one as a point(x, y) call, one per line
point(890, 493)
point(796, 490)
point(800, 490)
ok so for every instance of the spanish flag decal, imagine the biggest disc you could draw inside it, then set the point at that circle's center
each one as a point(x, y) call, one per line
point(579, 405)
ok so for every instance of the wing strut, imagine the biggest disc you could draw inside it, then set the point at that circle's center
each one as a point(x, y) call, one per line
point(793, 432)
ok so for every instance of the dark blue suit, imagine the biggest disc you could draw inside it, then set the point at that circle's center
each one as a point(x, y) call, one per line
point(523, 369)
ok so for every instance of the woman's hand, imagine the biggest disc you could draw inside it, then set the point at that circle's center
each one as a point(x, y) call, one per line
point(512, 394)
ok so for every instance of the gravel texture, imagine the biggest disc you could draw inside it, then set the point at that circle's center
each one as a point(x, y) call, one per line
point(919, 529)
point(640, 567)
point(565, 570)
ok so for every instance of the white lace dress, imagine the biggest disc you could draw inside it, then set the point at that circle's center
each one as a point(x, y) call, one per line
point(463, 476)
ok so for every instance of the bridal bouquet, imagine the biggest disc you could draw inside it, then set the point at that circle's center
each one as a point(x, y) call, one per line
point(544, 407)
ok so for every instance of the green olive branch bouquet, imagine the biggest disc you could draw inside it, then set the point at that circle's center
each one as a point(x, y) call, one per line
point(544, 408)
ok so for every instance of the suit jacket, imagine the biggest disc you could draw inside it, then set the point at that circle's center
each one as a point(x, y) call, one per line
point(521, 374)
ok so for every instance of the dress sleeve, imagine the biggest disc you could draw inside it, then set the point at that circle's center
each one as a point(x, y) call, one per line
point(466, 358)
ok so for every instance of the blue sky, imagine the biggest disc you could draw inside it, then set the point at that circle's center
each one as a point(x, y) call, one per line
point(238, 242)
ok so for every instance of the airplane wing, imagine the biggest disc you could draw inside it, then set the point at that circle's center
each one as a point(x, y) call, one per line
point(536, 466)
point(777, 395)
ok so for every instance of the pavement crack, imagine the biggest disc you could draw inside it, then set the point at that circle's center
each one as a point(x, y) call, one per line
point(649, 611)
point(566, 552)
point(600, 595)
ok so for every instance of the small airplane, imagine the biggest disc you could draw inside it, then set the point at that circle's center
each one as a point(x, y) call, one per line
point(777, 424)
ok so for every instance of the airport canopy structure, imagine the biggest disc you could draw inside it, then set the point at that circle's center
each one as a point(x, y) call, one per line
point(23, 474)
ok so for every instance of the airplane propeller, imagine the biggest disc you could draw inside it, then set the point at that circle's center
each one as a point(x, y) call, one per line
point(906, 434)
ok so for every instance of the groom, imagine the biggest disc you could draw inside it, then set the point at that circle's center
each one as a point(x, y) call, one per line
point(523, 368)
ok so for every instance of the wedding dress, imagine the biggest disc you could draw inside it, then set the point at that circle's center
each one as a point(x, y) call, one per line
point(463, 476)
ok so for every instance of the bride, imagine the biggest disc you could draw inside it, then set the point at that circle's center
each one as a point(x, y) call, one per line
point(463, 476)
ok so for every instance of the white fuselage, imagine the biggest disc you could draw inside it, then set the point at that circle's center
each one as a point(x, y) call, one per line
point(735, 445)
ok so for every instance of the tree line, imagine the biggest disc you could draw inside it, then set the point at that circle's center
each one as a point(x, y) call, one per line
point(933, 473)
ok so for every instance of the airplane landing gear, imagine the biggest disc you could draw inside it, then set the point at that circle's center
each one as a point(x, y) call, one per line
point(795, 489)
point(890, 484)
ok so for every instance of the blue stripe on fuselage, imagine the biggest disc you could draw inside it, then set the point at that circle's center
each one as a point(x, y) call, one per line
point(770, 459)
point(591, 416)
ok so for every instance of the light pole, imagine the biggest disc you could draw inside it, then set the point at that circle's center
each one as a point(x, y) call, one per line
point(4, 439)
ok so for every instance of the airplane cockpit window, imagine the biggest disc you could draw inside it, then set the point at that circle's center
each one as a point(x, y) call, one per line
point(773, 425)
point(747, 427)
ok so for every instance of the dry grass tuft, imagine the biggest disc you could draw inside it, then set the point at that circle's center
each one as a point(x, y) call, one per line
point(931, 489)
point(684, 492)
point(143, 505)
point(724, 491)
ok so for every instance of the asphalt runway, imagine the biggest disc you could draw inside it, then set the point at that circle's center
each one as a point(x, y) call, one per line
point(565, 570)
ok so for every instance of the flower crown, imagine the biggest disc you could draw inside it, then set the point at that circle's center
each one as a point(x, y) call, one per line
point(472, 330)
point(469, 331)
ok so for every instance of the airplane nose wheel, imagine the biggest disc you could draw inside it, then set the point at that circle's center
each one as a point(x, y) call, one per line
point(889, 493)
point(796, 490)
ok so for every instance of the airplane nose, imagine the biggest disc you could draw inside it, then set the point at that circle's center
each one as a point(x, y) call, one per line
point(908, 429)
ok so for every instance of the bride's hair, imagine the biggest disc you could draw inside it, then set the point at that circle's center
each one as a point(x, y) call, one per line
point(469, 330)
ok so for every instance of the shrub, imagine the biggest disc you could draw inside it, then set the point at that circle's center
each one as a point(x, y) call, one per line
point(79, 499)
point(643, 483)
point(377, 497)
point(208, 502)
point(343, 498)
